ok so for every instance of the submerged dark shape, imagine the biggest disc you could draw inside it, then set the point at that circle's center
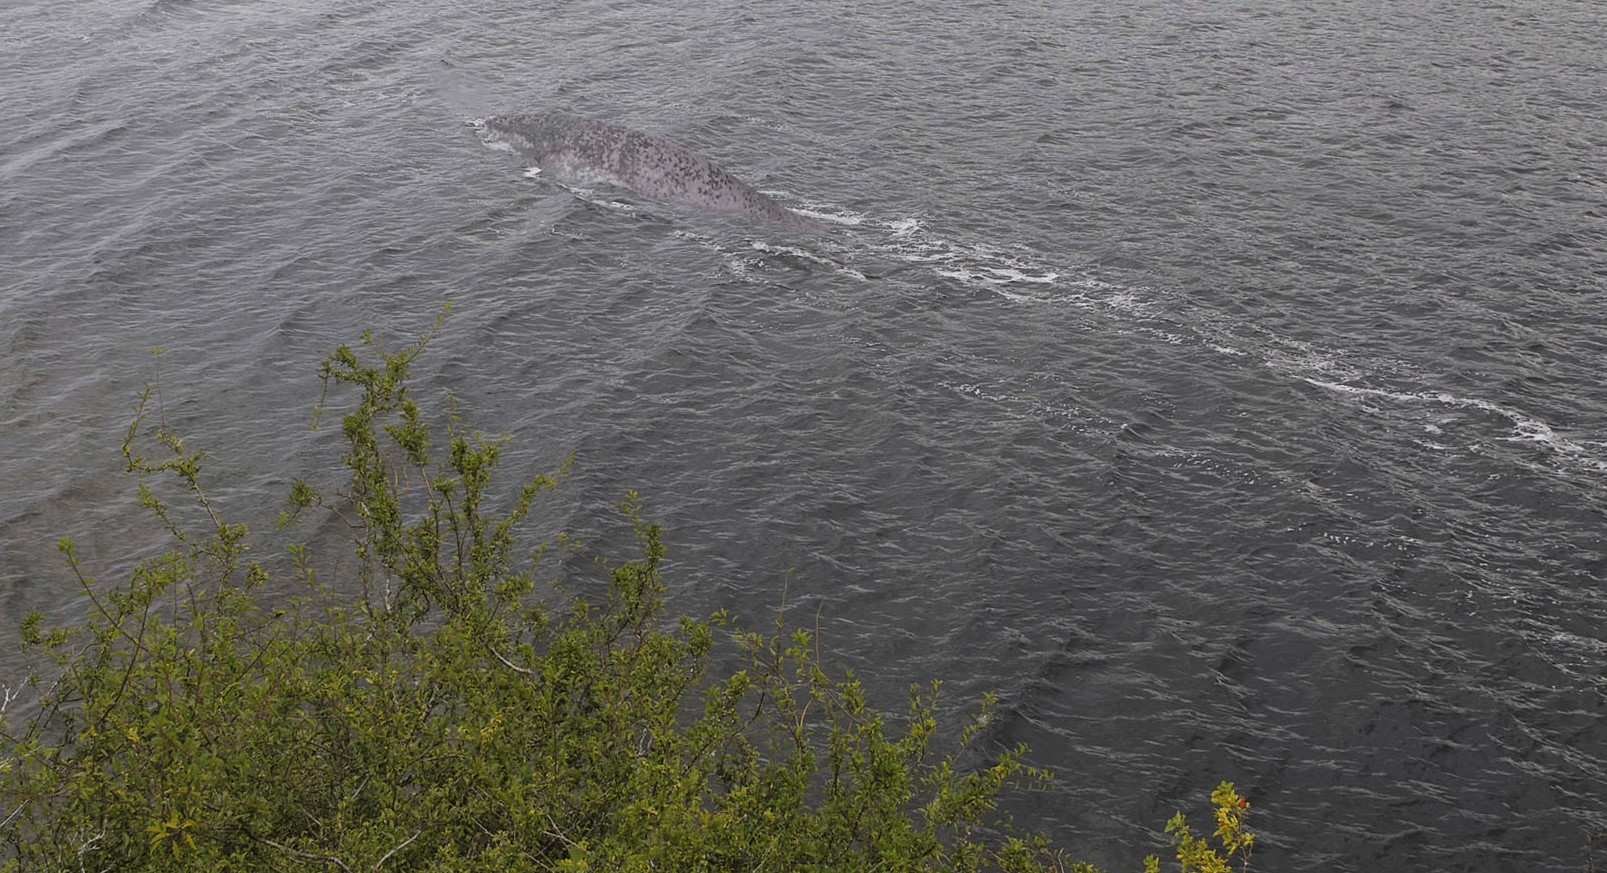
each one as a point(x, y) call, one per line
point(585, 151)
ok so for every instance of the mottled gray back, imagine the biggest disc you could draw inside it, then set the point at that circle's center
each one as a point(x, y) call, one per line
point(586, 151)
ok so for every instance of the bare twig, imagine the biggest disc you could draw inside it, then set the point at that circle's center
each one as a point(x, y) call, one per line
point(86, 848)
point(399, 847)
point(556, 835)
point(509, 664)
point(300, 854)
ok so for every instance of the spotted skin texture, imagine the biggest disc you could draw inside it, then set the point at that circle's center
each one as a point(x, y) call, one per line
point(585, 151)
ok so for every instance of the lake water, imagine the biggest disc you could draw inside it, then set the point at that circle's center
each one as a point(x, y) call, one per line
point(1220, 383)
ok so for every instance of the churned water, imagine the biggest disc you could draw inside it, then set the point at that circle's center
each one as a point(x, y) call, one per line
point(1220, 383)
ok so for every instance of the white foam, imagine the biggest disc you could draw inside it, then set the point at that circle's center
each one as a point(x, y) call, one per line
point(806, 255)
point(1019, 276)
point(998, 276)
point(846, 219)
point(818, 211)
point(1525, 428)
point(979, 265)
point(1015, 274)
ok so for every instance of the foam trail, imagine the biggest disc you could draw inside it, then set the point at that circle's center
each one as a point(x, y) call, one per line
point(1525, 428)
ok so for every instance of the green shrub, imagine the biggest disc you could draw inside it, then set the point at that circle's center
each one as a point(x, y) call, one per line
point(1196, 854)
point(444, 709)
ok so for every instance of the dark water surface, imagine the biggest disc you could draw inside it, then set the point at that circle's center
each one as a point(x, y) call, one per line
point(1220, 384)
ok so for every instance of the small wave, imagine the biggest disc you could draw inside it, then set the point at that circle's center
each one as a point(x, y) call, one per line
point(1027, 408)
point(804, 254)
point(1525, 428)
point(818, 211)
point(978, 265)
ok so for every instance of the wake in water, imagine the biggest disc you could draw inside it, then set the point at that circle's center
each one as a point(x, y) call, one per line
point(1021, 277)
point(1525, 428)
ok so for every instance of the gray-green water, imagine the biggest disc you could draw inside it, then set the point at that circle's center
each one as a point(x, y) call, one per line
point(1221, 384)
